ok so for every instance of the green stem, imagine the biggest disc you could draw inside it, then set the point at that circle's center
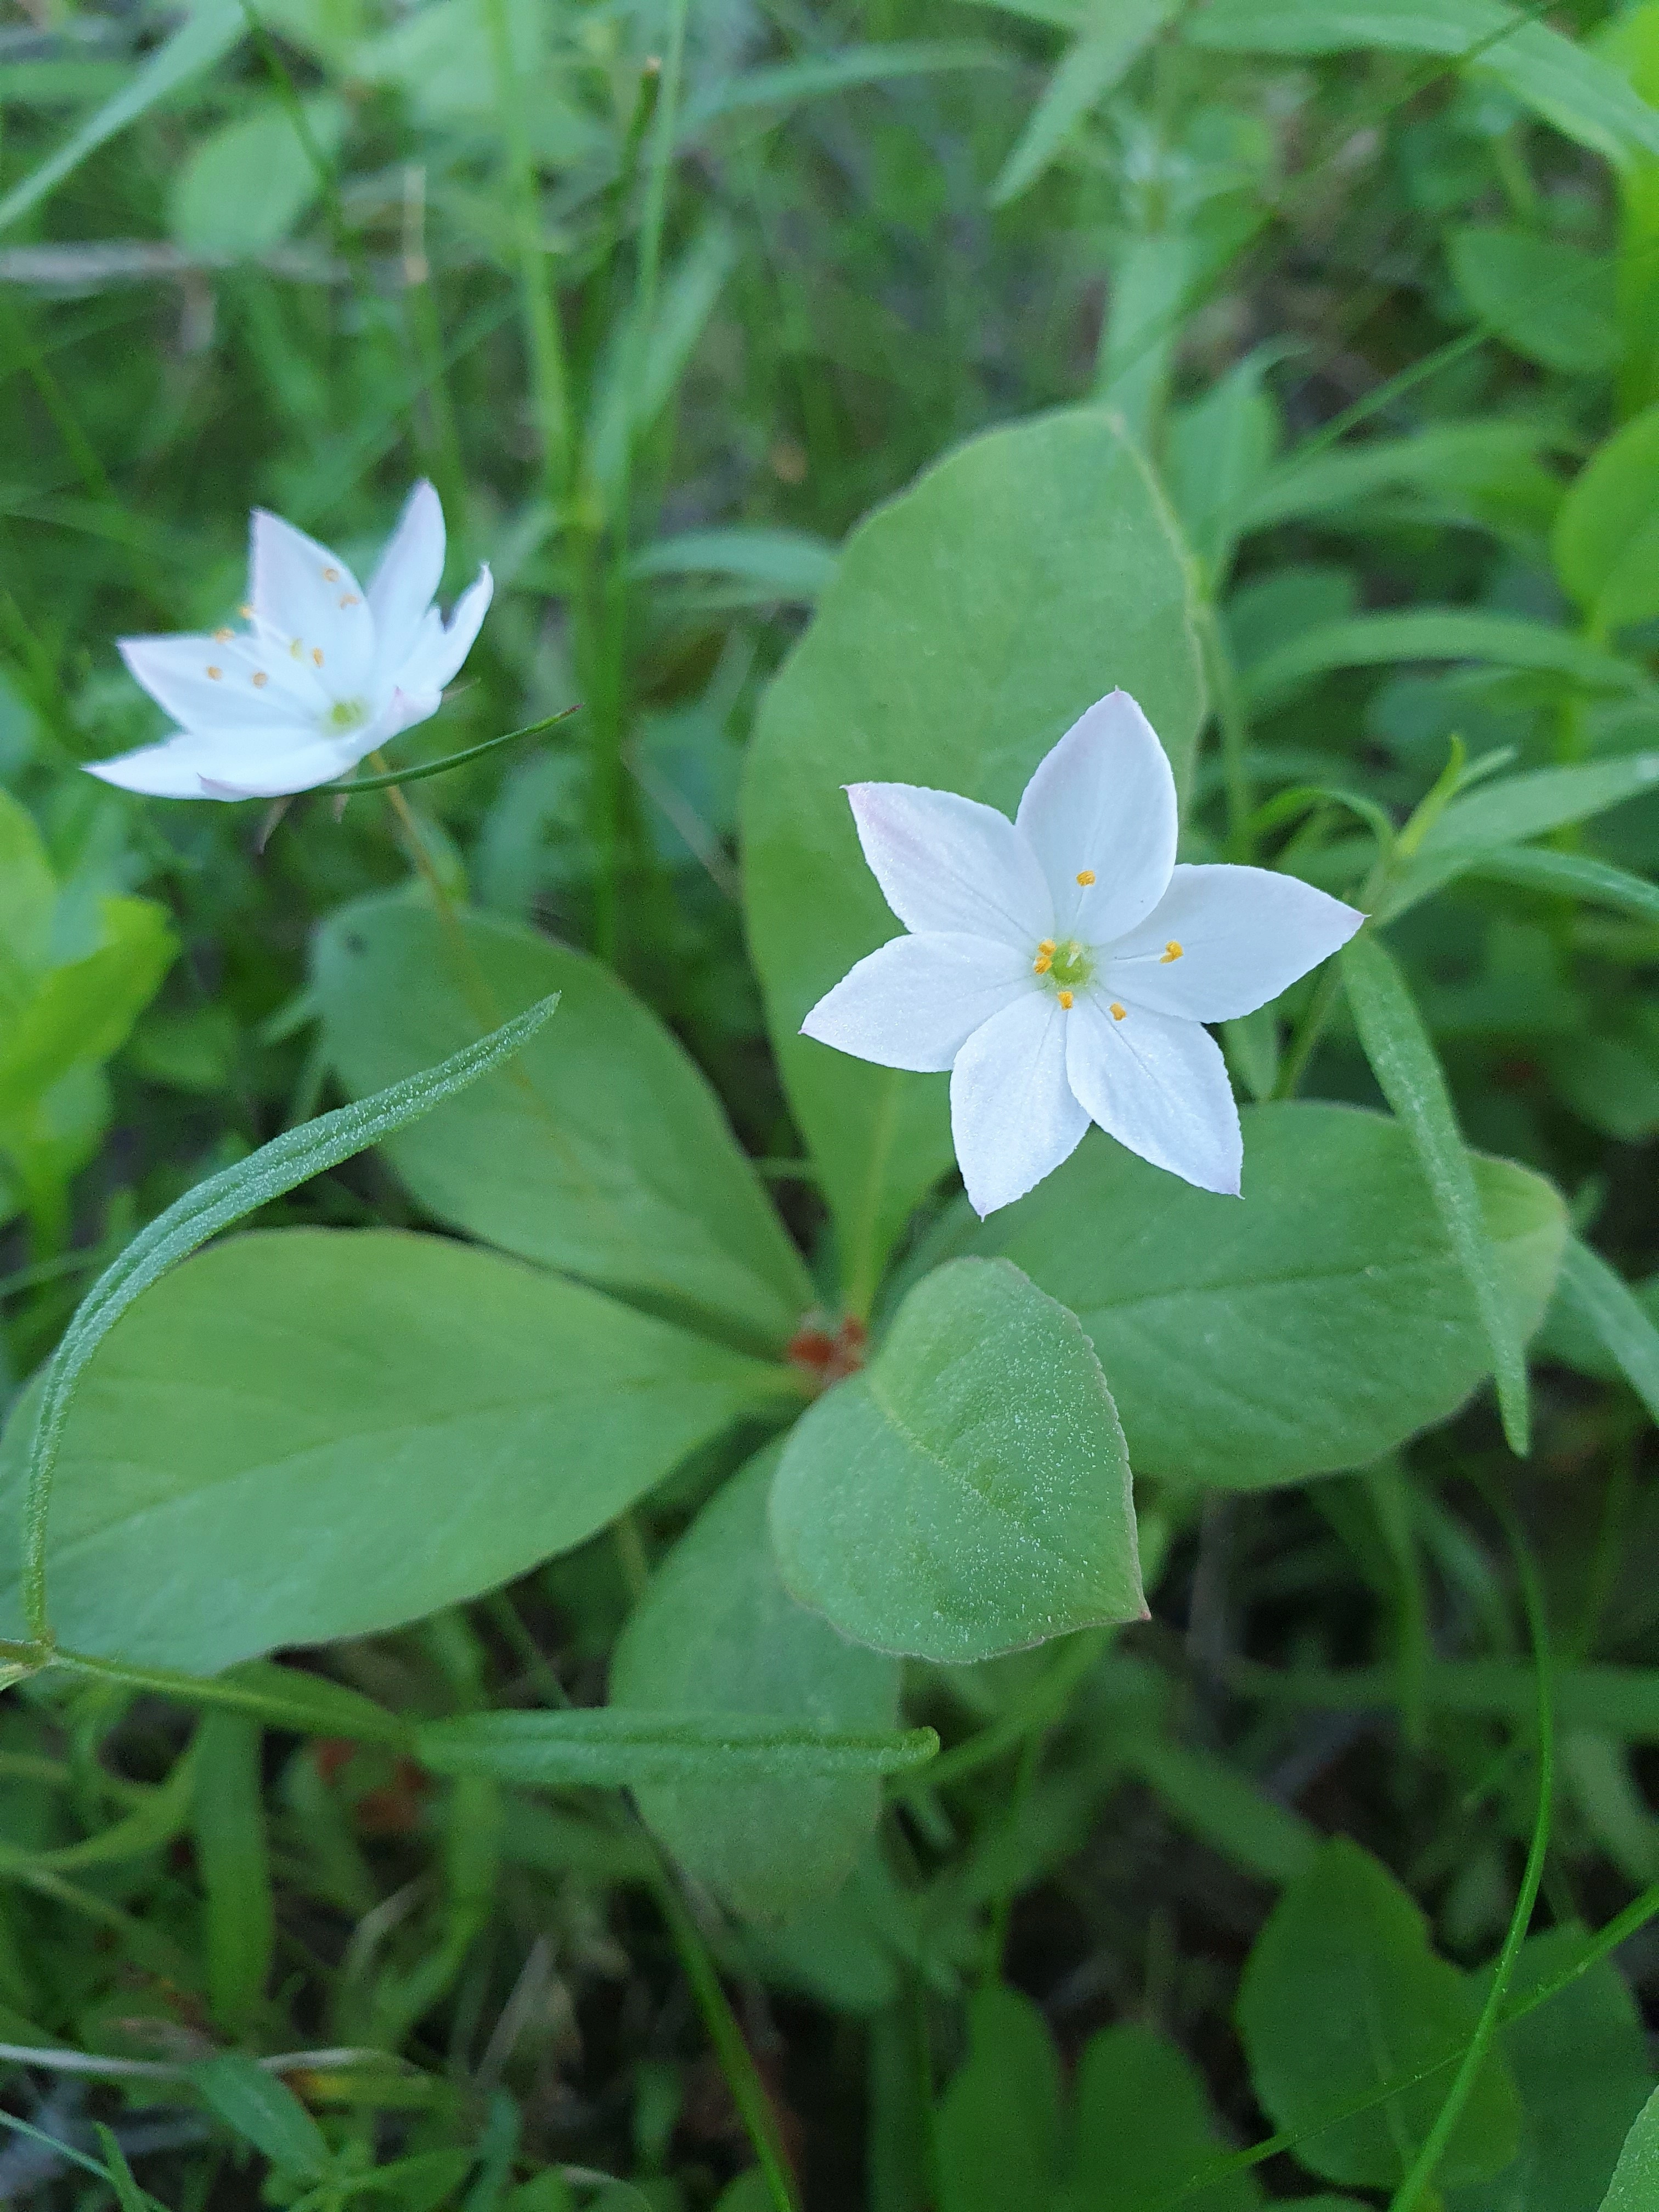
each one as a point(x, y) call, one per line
point(541, 319)
point(1308, 1030)
point(737, 2061)
point(1413, 2189)
point(1233, 723)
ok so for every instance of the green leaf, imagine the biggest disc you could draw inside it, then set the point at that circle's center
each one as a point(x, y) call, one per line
point(308, 1433)
point(1570, 875)
point(234, 1859)
point(1581, 2064)
point(1474, 462)
point(1600, 1300)
point(786, 84)
point(1636, 2178)
point(790, 565)
point(970, 621)
point(208, 32)
point(81, 1013)
point(1380, 641)
point(716, 1632)
point(606, 1154)
point(1311, 1325)
point(1341, 1994)
point(1404, 1061)
point(28, 890)
point(1144, 2126)
point(1547, 300)
point(1522, 806)
point(242, 190)
point(1100, 58)
point(263, 2110)
point(1605, 541)
point(277, 1168)
point(1217, 452)
point(1582, 95)
point(612, 1747)
point(996, 2128)
point(968, 1493)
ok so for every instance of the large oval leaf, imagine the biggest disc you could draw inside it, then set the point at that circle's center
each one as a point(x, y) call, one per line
point(306, 1433)
point(969, 623)
point(968, 1493)
point(1311, 1325)
point(609, 1157)
point(717, 1632)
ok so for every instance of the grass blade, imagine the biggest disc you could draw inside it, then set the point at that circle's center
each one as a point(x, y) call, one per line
point(1404, 1061)
point(1605, 1303)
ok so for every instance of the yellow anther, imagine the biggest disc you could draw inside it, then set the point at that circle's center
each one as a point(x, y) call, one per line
point(1065, 1001)
point(1085, 877)
point(260, 679)
point(350, 599)
point(216, 673)
point(223, 636)
point(331, 576)
point(1047, 945)
point(246, 613)
point(1171, 952)
point(317, 654)
point(1044, 963)
point(1118, 1013)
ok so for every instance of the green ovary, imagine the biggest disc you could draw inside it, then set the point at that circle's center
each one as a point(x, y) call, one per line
point(1071, 965)
point(347, 714)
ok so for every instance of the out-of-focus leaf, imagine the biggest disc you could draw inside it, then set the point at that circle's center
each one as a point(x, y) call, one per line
point(1479, 463)
point(1438, 634)
point(242, 190)
point(1101, 56)
point(206, 34)
point(1607, 535)
point(263, 2110)
point(1599, 1300)
point(1342, 1993)
point(1547, 300)
point(998, 2125)
point(786, 564)
point(1574, 89)
point(716, 1632)
point(1143, 2126)
point(786, 84)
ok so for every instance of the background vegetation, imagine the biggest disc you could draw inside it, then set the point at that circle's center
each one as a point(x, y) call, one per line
point(665, 298)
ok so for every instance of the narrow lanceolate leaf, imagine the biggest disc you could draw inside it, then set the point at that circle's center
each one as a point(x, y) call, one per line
point(1404, 1062)
point(234, 1857)
point(1572, 875)
point(1605, 1304)
point(610, 1746)
point(280, 1166)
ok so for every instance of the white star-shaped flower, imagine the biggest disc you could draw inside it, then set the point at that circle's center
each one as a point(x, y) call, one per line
point(1061, 965)
point(324, 673)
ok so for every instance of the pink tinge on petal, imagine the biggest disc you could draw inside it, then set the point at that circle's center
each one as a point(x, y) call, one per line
point(1100, 814)
point(1159, 1086)
point(915, 1002)
point(1013, 1116)
point(1223, 941)
point(946, 865)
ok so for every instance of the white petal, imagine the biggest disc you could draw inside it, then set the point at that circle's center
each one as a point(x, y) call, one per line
point(1158, 1086)
point(441, 647)
point(916, 1002)
point(947, 864)
point(229, 765)
point(1012, 1112)
point(1245, 934)
point(1102, 803)
point(308, 603)
point(210, 683)
point(405, 581)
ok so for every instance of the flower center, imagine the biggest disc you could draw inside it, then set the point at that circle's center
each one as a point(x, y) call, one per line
point(1068, 964)
point(347, 714)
